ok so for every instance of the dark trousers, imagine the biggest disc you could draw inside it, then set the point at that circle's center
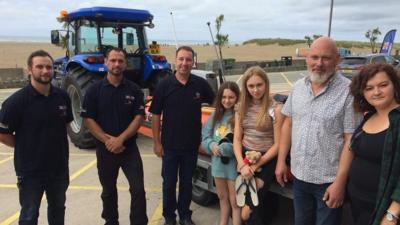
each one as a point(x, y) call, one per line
point(183, 163)
point(108, 167)
point(31, 190)
point(309, 208)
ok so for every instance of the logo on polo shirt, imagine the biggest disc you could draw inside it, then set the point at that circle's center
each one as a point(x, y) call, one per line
point(196, 96)
point(63, 110)
point(129, 99)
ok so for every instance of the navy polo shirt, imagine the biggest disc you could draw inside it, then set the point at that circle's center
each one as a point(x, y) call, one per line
point(180, 106)
point(40, 126)
point(113, 109)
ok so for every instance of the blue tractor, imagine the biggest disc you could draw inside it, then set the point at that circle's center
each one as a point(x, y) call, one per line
point(87, 34)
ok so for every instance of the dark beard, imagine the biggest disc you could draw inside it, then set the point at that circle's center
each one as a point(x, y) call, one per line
point(41, 81)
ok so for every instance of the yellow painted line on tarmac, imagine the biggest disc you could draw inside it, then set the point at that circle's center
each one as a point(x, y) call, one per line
point(287, 80)
point(8, 186)
point(10, 219)
point(157, 215)
point(6, 159)
point(82, 170)
point(6, 153)
point(15, 216)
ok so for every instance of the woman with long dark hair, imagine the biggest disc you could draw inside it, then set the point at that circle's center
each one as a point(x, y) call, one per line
point(374, 175)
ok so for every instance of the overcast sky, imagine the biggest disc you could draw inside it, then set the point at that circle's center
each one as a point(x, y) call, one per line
point(243, 19)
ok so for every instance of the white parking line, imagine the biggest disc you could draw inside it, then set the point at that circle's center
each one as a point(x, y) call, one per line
point(287, 80)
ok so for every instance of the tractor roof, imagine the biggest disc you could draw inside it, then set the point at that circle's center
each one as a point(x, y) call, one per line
point(110, 14)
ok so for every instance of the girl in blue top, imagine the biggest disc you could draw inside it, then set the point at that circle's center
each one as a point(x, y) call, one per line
point(217, 137)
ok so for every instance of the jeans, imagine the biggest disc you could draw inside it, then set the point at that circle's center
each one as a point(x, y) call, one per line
point(183, 163)
point(31, 190)
point(108, 167)
point(309, 208)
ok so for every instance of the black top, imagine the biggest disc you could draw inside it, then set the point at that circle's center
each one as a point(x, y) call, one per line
point(40, 126)
point(113, 108)
point(181, 108)
point(365, 168)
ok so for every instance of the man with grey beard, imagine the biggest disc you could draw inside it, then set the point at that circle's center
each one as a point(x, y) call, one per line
point(317, 130)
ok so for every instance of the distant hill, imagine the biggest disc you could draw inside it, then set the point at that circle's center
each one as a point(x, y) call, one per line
point(285, 42)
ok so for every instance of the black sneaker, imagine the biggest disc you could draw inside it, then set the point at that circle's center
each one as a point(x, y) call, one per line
point(186, 222)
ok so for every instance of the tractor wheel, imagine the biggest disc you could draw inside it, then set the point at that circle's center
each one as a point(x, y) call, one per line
point(75, 84)
point(156, 79)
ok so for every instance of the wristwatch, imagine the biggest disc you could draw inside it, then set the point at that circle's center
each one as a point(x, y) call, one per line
point(390, 216)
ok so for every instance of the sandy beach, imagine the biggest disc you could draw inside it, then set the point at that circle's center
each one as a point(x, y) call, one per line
point(14, 54)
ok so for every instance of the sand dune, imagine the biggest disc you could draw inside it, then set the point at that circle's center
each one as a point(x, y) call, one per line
point(14, 54)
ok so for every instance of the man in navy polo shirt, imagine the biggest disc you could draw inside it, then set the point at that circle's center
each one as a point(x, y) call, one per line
point(34, 121)
point(179, 98)
point(113, 110)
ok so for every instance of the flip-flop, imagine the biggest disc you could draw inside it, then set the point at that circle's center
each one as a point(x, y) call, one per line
point(240, 187)
point(253, 191)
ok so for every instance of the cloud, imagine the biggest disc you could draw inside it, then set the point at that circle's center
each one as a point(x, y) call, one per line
point(243, 20)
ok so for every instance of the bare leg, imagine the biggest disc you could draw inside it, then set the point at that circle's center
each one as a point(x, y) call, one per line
point(246, 211)
point(236, 219)
point(225, 208)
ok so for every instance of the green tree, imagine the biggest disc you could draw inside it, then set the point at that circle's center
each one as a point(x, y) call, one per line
point(221, 38)
point(372, 36)
point(308, 40)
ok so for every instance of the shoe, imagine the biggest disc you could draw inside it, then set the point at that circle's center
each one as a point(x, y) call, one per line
point(240, 187)
point(170, 222)
point(253, 191)
point(187, 221)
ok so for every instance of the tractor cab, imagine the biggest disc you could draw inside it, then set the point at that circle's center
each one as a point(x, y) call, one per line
point(87, 34)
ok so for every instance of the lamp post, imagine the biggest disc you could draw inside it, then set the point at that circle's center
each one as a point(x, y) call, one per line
point(221, 68)
point(330, 19)
point(173, 26)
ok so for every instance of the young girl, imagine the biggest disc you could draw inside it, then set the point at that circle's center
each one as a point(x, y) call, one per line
point(217, 141)
point(257, 128)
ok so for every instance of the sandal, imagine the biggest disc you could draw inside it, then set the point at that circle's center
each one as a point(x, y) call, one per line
point(240, 187)
point(253, 191)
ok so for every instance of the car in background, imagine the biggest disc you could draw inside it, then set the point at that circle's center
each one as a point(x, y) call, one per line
point(351, 65)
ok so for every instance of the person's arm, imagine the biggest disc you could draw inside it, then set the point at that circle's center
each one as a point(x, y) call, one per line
point(243, 168)
point(394, 208)
point(116, 144)
point(207, 141)
point(283, 151)
point(7, 139)
point(155, 127)
point(334, 194)
point(95, 129)
point(273, 151)
point(237, 141)
point(209, 93)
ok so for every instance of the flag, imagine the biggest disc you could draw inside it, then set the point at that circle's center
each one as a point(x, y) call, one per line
point(387, 42)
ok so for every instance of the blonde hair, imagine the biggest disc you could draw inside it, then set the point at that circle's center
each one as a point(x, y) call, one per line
point(245, 97)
